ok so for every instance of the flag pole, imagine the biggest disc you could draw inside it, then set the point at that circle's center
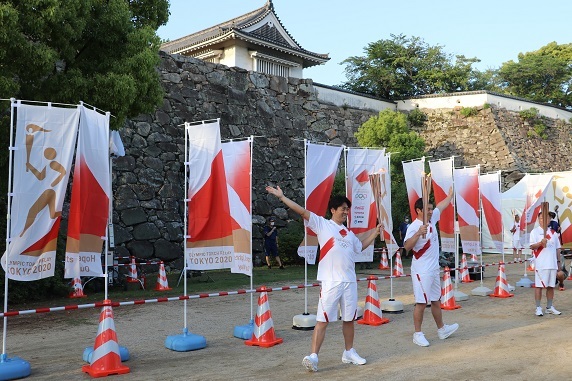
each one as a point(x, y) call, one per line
point(251, 268)
point(305, 231)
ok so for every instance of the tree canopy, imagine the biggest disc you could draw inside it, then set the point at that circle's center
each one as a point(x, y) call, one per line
point(407, 66)
point(102, 52)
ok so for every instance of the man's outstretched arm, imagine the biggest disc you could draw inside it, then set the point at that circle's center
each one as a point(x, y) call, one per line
point(289, 203)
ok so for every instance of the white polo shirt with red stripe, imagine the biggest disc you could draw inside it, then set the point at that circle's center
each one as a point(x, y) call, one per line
point(426, 250)
point(338, 249)
point(545, 258)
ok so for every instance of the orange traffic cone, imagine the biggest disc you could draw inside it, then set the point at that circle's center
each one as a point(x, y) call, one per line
point(501, 285)
point(162, 282)
point(398, 267)
point(447, 295)
point(465, 278)
point(132, 276)
point(383, 262)
point(106, 359)
point(530, 266)
point(474, 257)
point(263, 334)
point(77, 289)
point(570, 272)
point(372, 313)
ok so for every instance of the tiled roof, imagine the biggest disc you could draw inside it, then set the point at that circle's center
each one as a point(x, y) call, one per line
point(235, 28)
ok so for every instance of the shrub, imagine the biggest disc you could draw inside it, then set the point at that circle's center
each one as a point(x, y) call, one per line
point(486, 106)
point(416, 117)
point(531, 113)
point(538, 131)
point(469, 111)
point(289, 239)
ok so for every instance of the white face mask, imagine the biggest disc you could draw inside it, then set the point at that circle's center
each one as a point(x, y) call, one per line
point(272, 224)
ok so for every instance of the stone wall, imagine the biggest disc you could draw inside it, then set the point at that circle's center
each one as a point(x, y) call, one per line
point(149, 181)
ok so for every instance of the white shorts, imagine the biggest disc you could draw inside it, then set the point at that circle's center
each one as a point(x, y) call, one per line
point(333, 294)
point(429, 290)
point(516, 244)
point(548, 277)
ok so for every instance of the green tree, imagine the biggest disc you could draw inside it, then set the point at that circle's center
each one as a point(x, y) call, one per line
point(544, 75)
point(407, 66)
point(390, 129)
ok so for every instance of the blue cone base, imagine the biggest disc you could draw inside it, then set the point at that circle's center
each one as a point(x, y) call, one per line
point(13, 368)
point(88, 353)
point(244, 331)
point(185, 342)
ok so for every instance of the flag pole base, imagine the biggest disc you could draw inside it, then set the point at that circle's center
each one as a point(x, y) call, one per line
point(392, 306)
point(13, 368)
point(304, 322)
point(481, 291)
point(185, 342)
point(244, 331)
point(460, 296)
point(88, 354)
point(524, 282)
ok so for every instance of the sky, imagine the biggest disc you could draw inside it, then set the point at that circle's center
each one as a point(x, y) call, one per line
point(494, 31)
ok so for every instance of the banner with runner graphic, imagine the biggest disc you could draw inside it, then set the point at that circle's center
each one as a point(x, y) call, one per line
point(489, 185)
point(442, 179)
point(413, 172)
point(467, 202)
point(321, 167)
point(89, 208)
point(536, 189)
point(238, 170)
point(209, 242)
point(44, 146)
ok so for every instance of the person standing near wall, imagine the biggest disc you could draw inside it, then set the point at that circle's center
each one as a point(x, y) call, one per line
point(516, 245)
point(271, 243)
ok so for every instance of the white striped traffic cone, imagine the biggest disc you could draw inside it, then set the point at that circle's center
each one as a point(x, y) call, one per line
point(398, 267)
point(501, 285)
point(447, 296)
point(77, 289)
point(474, 257)
point(372, 313)
point(162, 282)
point(132, 276)
point(263, 334)
point(383, 262)
point(465, 278)
point(106, 358)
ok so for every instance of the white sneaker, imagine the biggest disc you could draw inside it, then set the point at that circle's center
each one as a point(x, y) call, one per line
point(553, 311)
point(419, 339)
point(539, 311)
point(447, 330)
point(311, 362)
point(351, 357)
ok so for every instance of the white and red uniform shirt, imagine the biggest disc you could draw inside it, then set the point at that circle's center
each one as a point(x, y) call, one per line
point(338, 249)
point(426, 250)
point(545, 258)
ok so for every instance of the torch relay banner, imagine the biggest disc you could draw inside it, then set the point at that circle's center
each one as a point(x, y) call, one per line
point(209, 244)
point(413, 172)
point(442, 176)
point(44, 146)
point(362, 219)
point(321, 167)
point(467, 201)
point(492, 230)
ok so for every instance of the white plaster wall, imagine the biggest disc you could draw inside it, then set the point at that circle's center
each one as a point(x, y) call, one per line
point(237, 56)
point(341, 99)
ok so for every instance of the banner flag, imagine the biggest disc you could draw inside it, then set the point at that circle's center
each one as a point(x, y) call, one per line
point(536, 187)
point(238, 170)
point(562, 189)
point(467, 201)
point(489, 185)
point(362, 219)
point(44, 146)
point(321, 167)
point(413, 172)
point(89, 208)
point(209, 242)
point(386, 219)
point(442, 179)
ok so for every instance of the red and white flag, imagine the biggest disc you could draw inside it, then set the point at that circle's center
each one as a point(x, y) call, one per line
point(467, 202)
point(489, 185)
point(385, 180)
point(536, 188)
point(562, 189)
point(89, 208)
point(238, 169)
point(413, 171)
point(321, 167)
point(442, 179)
point(209, 242)
point(362, 219)
point(44, 146)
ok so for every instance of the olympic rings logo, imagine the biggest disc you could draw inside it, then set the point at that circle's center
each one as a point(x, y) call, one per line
point(361, 196)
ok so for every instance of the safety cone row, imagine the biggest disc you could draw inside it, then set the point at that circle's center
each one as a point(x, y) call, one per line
point(398, 267)
point(162, 282)
point(372, 314)
point(501, 285)
point(132, 275)
point(263, 334)
point(77, 289)
point(447, 296)
point(465, 278)
point(106, 358)
point(383, 262)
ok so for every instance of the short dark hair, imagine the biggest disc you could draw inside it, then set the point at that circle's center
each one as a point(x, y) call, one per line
point(552, 214)
point(337, 201)
point(418, 204)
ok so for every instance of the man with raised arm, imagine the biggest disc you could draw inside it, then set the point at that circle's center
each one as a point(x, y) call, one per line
point(423, 240)
point(336, 271)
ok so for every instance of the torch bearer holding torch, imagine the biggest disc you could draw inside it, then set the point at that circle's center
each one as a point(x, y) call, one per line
point(425, 191)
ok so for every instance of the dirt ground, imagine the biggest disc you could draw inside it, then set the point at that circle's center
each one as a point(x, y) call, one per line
point(497, 339)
